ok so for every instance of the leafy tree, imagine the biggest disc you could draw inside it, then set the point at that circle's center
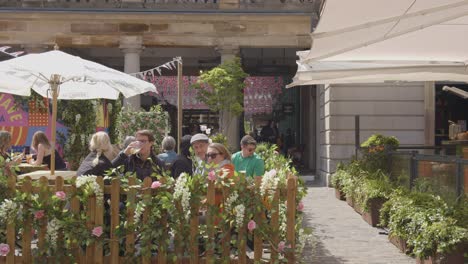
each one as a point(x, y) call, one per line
point(221, 88)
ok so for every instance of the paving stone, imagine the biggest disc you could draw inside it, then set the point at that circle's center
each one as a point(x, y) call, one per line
point(341, 235)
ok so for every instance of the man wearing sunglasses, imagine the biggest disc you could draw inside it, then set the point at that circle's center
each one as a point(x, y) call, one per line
point(247, 160)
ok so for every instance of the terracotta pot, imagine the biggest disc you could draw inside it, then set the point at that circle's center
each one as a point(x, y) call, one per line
point(372, 217)
point(357, 208)
point(454, 257)
point(398, 242)
point(340, 195)
point(349, 200)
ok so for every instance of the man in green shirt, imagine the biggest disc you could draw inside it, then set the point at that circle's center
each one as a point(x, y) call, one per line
point(247, 160)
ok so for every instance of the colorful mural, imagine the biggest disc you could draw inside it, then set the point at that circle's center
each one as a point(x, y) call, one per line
point(23, 124)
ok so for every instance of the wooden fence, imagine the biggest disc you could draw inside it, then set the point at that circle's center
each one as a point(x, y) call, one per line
point(94, 253)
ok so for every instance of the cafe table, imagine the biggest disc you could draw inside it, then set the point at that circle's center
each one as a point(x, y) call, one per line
point(27, 168)
point(36, 175)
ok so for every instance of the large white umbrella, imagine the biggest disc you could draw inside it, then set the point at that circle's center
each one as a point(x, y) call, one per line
point(58, 75)
point(380, 40)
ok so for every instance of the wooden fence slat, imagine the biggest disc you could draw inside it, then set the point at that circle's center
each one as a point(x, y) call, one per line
point(226, 228)
point(90, 224)
point(210, 225)
point(27, 237)
point(75, 209)
point(43, 196)
point(275, 226)
point(291, 216)
point(60, 242)
point(131, 196)
point(115, 204)
point(179, 247)
point(194, 223)
point(99, 221)
point(11, 229)
point(147, 197)
point(258, 240)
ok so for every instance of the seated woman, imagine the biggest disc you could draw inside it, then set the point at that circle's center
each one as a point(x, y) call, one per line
point(99, 159)
point(219, 156)
point(5, 144)
point(40, 143)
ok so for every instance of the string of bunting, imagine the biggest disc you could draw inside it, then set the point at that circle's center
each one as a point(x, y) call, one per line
point(4, 49)
point(171, 65)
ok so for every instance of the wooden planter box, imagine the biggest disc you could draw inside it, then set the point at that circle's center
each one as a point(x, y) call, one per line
point(373, 216)
point(454, 257)
point(358, 208)
point(350, 201)
point(399, 243)
point(339, 194)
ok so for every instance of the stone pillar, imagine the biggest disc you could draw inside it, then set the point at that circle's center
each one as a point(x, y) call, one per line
point(132, 46)
point(229, 122)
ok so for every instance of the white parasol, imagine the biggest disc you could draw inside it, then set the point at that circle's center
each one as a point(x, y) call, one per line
point(58, 75)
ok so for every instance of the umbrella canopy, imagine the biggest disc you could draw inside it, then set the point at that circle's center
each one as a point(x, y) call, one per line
point(418, 40)
point(58, 75)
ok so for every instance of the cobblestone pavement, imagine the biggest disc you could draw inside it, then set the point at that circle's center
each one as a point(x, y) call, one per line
point(342, 236)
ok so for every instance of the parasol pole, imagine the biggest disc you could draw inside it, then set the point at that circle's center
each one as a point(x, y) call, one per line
point(54, 83)
point(180, 90)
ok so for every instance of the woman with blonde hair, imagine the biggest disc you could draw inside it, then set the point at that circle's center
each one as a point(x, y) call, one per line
point(5, 144)
point(40, 143)
point(99, 159)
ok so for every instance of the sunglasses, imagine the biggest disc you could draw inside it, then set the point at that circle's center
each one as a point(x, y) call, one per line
point(212, 155)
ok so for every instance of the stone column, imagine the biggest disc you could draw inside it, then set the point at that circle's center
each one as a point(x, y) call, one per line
point(132, 46)
point(229, 122)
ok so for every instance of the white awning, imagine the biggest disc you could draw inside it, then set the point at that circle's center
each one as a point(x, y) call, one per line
point(380, 40)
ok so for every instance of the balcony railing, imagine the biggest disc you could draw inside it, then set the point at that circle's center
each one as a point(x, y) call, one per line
point(176, 5)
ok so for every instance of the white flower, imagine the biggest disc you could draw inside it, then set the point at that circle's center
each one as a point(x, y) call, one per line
point(269, 183)
point(52, 232)
point(182, 193)
point(8, 211)
point(140, 208)
point(240, 211)
point(230, 200)
point(90, 182)
point(77, 118)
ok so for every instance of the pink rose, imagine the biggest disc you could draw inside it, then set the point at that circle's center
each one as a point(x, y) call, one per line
point(39, 214)
point(4, 249)
point(97, 231)
point(251, 225)
point(155, 184)
point(300, 206)
point(281, 246)
point(212, 176)
point(61, 195)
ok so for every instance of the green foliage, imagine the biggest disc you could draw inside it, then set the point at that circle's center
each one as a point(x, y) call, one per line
point(219, 138)
point(375, 156)
point(35, 100)
point(425, 221)
point(114, 107)
point(155, 120)
point(381, 140)
point(80, 118)
point(221, 87)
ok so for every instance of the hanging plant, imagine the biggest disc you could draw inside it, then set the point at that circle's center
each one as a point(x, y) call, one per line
point(80, 118)
point(35, 102)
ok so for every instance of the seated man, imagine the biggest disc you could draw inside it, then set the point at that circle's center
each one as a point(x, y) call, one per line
point(247, 160)
point(199, 144)
point(139, 157)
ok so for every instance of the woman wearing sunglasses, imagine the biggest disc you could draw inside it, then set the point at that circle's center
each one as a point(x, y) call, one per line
point(218, 156)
